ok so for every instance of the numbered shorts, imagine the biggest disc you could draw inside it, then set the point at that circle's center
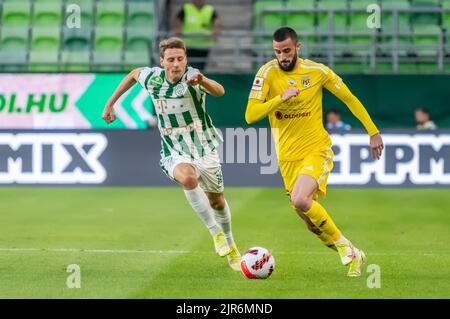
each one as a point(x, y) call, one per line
point(208, 169)
point(317, 164)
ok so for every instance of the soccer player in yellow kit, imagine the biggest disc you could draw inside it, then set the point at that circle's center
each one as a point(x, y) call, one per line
point(288, 89)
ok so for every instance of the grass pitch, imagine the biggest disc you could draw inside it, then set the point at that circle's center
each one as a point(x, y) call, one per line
point(148, 243)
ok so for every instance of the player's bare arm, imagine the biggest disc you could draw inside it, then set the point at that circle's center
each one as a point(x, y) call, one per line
point(130, 80)
point(213, 87)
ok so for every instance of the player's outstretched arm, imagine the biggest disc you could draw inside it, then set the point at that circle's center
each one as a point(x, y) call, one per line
point(130, 80)
point(257, 110)
point(212, 87)
point(342, 92)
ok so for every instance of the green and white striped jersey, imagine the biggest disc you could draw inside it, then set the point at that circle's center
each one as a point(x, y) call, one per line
point(185, 127)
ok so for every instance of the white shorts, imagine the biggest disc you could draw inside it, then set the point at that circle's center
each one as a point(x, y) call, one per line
point(208, 169)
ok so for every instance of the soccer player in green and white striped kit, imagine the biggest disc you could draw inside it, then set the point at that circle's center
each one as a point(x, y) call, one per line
point(188, 139)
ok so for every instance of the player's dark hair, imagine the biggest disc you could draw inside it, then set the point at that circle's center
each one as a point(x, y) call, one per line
point(285, 33)
point(423, 109)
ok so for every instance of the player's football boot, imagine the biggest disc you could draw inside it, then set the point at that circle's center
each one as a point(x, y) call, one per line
point(346, 252)
point(234, 258)
point(221, 245)
point(355, 267)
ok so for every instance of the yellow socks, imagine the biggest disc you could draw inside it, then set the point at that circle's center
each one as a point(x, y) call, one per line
point(320, 218)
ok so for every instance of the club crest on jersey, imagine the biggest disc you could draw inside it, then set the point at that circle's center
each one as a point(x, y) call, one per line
point(258, 83)
point(306, 81)
point(180, 89)
point(156, 80)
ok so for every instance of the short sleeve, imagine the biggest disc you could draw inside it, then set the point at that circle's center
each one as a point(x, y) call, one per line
point(144, 76)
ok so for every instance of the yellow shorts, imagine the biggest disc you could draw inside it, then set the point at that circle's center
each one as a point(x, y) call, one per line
point(317, 164)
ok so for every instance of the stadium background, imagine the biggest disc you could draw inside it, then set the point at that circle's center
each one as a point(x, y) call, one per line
point(55, 80)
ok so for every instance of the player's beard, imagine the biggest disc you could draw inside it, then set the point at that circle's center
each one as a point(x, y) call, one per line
point(291, 65)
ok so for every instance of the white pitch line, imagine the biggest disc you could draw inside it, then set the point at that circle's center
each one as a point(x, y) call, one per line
point(155, 251)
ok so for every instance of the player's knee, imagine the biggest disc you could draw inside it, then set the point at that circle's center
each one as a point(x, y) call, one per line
point(188, 181)
point(302, 203)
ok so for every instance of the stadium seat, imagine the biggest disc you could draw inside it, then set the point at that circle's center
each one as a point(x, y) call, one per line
point(107, 61)
point(16, 13)
point(45, 38)
point(141, 14)
point(446, 15)
point(362, 38)
point(134, 59)
point(86, 11)
point(427, 36)
point(43, 61)
point(268, 21)
point(47, 13)
point(110, 13)
point(75, 39)
point(425, 18)
point(387, 17)
point(301, 21)
point(340, 18)
point(14, 39)
point(138, 38)
point(13, 61)
point(75, 61)
point(108, 38)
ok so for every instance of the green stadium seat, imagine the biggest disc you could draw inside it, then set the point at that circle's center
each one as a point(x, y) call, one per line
point(16, 13)
point(387, 17)
point(340, 18)
point(425, 18)
point(107, 61)
point(13, 61)
point(47, 13)
point(362, 38)
point(446, 15)
point(14, 39)
point(110, 13)
point(108, 38)
point(268, 21)
point(301, 21)
point(428, 36)
point(141, 14)
point(351, 68)
point(45, 38)
point(75, 39)
point(134, 59)
point(75, 61)
point(86, 11)
point(43, 61)
point(138, 38)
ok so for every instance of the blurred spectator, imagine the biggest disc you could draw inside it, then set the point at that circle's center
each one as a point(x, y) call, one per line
point(423, 119)
point(197, 18)
point(334, 122)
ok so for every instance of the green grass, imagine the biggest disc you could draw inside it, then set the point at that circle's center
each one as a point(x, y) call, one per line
point(405, 232)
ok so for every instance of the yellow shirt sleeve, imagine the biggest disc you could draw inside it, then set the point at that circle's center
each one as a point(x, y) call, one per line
point(257, 106)
point(335, 85)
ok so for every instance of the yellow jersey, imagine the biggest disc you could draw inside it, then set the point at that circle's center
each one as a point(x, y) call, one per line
point(297, 125)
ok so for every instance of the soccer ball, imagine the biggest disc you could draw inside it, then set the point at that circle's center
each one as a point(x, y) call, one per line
point(257, 263)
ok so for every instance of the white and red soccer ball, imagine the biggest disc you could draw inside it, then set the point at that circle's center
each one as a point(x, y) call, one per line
point(257, 263)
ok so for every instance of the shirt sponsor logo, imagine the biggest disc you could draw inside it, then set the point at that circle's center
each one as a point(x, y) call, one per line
point(281, 116)
point(156, 80)
point(258, 83)
point(306, 81)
